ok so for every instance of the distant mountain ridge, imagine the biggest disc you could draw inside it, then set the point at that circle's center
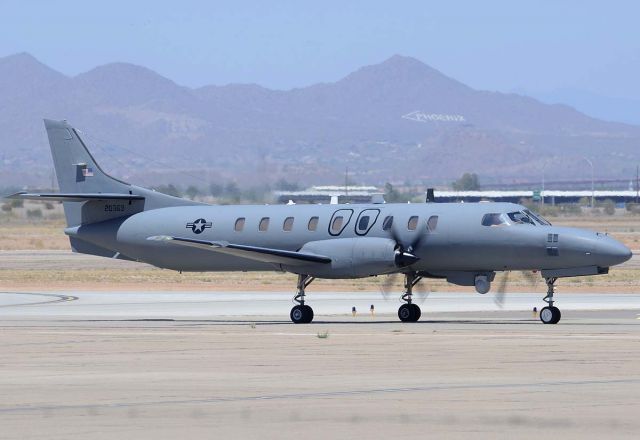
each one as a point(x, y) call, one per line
point(144, 126)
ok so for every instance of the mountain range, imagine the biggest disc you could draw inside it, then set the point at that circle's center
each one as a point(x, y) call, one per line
point(400, 121)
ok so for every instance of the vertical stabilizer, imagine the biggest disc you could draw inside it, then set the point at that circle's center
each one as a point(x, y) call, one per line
point(76, 169)
point(79, 173)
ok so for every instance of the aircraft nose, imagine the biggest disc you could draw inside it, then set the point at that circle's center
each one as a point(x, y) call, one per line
point(611, 252)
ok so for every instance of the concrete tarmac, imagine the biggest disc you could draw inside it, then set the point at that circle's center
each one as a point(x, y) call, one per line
point(220, 365)
point(202, 305)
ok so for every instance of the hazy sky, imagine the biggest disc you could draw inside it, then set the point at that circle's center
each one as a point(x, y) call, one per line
point(495, 45)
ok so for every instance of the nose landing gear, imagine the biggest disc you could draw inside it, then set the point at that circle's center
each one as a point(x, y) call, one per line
point(550, 314)
point(409, 312)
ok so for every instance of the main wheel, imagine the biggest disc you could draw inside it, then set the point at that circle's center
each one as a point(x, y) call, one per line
point(405, 313)
point(550, 315)
point(409, 313)
point(301, 314)
point(416, 312)
point(556, 315)
point(308, 314)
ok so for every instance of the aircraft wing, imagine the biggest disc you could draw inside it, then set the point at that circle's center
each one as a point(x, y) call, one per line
point(265, 255)
point(73, 197)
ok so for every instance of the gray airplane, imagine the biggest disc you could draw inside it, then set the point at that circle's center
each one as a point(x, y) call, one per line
point(464, 243)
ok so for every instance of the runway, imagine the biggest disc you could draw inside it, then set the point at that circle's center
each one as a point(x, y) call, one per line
point(276, 305)
point(168, 365)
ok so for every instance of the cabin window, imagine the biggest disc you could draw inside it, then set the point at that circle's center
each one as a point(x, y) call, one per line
point(339, 220)
point(239, 226)
point(288, 224)
point(412, 224)
point(336, 224)
point(264, 224)
point(387, 223)
point(365, 221)
point(432, 223)
point(313, 224)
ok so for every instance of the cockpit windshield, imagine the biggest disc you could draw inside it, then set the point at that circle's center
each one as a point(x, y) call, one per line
point(537, 217)
point(524, 217)
point(521, 218)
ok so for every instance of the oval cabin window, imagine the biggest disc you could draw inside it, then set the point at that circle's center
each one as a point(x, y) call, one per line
point(432, 223)
point(264, 224)
point(336, 225)
point(288, 224)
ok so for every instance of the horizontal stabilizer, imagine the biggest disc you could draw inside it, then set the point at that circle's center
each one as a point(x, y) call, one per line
point(265, 255)
point(73, 197)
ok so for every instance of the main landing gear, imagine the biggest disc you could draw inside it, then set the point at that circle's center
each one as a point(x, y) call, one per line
point(550, 314)
point(302, 313)
point(409, 312)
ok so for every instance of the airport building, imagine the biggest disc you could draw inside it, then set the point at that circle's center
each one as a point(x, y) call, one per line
point(372, 194)
point(332, 194)
point(552, 197)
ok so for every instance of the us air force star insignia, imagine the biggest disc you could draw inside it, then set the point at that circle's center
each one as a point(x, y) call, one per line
point(199, 225)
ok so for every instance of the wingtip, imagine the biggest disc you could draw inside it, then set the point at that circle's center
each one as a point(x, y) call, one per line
point(14, 195)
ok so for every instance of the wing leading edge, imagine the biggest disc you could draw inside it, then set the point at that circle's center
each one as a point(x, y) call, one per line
point(265, 255)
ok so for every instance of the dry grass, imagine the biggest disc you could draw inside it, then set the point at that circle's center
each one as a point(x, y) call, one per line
point(33, 236)
point(150, 279)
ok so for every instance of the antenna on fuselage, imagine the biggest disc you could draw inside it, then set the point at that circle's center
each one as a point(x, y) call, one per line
point(431, 198)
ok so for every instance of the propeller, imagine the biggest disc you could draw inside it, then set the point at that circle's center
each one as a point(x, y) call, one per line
point(530, 278)
point(405, 255)
point(420, 290)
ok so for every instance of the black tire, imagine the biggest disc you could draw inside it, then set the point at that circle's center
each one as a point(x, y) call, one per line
point(405, 313)
point(308, 314)
point(416, 312)
point(550, 315)
point(556, 315)
point(298, 314)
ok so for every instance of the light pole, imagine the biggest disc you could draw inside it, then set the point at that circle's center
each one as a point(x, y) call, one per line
point(592, 181)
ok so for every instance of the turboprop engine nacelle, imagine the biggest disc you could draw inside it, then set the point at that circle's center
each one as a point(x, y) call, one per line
point(354, 257)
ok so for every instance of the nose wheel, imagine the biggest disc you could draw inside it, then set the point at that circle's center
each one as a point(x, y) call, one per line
point(550, 314)
point(409, 312)
point(302, 313)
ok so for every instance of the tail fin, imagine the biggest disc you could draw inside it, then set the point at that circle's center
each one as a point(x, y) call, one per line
point(76, 169)
point(79, 174)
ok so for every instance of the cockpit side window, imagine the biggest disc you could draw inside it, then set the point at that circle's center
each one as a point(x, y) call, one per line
point(521, 218)
point(494, 219)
